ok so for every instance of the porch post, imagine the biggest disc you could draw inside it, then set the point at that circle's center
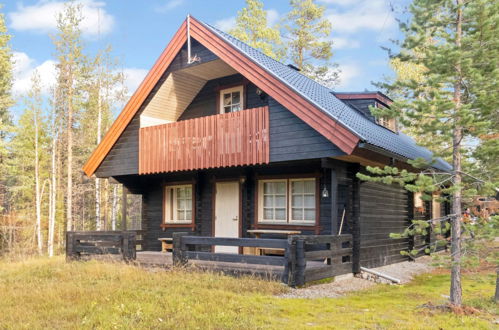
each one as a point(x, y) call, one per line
point(123, 208)
point(334, 202)
point(356, 219)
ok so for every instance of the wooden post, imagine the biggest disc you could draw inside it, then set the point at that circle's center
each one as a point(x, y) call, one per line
point(301, 263)
point(179, 249)
point(410, 215)
point(334, 202)
point(124, 203)
point(428, 216)
point(356, 220)
point(128, 247)
point(70, 253)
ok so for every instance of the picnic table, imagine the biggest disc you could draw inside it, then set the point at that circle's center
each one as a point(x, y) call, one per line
point(259, 232)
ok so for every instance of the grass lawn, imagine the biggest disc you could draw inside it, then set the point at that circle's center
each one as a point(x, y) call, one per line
point(42, 293)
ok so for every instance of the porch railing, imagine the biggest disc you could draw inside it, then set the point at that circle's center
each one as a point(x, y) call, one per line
point(231, 139)
point(86, 243)
point(305, 259)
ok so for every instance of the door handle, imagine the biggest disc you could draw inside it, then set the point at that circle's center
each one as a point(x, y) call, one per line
point(235, 219)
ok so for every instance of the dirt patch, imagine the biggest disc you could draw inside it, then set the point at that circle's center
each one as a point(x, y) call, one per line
point(404, 271)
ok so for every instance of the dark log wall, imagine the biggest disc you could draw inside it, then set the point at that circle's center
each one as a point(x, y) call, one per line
point(383, 210)
point(123, 157)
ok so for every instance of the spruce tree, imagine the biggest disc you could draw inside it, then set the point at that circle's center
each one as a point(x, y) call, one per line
point(252, 28)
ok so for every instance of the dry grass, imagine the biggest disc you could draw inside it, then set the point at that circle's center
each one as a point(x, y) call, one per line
point(42, 293)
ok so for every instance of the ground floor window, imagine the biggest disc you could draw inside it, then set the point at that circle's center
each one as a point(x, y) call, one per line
point(178, 204)
point(287, 201)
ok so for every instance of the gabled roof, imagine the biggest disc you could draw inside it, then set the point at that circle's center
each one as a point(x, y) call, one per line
point(310, 101)
point(325, 100)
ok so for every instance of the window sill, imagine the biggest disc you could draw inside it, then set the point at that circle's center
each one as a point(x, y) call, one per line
point(177, 225)
point(273, 223)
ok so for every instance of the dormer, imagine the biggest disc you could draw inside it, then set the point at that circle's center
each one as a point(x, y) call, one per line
point(361, 101)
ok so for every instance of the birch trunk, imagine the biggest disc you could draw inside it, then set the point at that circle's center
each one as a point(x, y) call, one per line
point(455, 288)
point(37, 189)
point(52, 198)
point(97, 180)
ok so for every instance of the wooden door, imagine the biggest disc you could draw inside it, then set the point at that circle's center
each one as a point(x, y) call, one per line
point(227, 213)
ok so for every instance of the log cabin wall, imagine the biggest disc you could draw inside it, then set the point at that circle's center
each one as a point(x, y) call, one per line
point(383, 210)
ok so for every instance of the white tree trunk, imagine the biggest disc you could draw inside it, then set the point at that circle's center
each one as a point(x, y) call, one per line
point(97, 180)
point(37, 189)
point(69, 187)
point(52, 198)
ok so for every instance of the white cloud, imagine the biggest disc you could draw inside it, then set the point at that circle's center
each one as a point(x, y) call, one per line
point(372, 15)
point(226, 24)
point(272, 17)
point(169, 5)
point(349, 71)
point(24, 67)
point(342, 43)
point(41, 17)
point(133, 78)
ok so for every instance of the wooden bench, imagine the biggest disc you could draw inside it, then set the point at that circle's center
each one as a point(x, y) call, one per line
point(166, 244)
point(267, 251)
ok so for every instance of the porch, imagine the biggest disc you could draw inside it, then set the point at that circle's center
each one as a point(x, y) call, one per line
point(306, 257)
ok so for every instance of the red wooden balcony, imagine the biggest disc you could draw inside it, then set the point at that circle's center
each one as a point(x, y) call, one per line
point(231, 139)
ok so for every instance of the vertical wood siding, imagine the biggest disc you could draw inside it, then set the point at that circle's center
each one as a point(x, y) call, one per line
point(232, 139)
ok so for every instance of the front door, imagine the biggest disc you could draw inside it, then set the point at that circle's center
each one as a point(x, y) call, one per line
point(227, 213)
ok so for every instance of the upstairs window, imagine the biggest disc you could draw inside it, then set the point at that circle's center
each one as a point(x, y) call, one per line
point(390, 123)
point(231, 99)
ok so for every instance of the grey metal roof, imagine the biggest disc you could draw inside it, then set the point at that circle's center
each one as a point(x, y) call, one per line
point(321, 96)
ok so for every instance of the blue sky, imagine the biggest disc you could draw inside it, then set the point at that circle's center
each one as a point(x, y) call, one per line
point(139, 31)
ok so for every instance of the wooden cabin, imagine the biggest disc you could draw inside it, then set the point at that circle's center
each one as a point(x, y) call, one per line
point(221, 140)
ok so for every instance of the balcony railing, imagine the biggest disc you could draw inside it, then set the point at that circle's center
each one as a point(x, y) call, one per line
point(232, 139)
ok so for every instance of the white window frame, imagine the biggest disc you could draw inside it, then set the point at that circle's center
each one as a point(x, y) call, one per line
point(288, 204)
point(239, 89)
point(170, 205)
point(290, 201)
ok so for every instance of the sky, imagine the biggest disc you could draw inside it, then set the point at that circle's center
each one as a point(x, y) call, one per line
point(139, 30)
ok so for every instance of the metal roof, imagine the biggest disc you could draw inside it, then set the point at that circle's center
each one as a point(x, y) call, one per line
point(322, 97)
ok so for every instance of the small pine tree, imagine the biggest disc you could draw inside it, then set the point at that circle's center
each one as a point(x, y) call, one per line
point(252, 27)
point(309, 48)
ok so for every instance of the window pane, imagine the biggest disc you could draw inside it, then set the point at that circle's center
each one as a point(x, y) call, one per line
point(297, 214)
point(280, 214)
point(227, 99)
point(267, 214)
point(309, 201)
point(236, 107)
point(268, 201)
point(310, 214)
point(188, 204)
point(227, 109)
point(180, 204)
point(297, 201)
point(236, 97)
point(180, 192)
point(297, 186)
point(309, 187)
point(268, 187)
point(188, 215)
point(280, 188)
point(180, 215)
point(280, 201)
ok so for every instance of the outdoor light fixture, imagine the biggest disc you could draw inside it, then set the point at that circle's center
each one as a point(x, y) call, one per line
point(325, 193)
